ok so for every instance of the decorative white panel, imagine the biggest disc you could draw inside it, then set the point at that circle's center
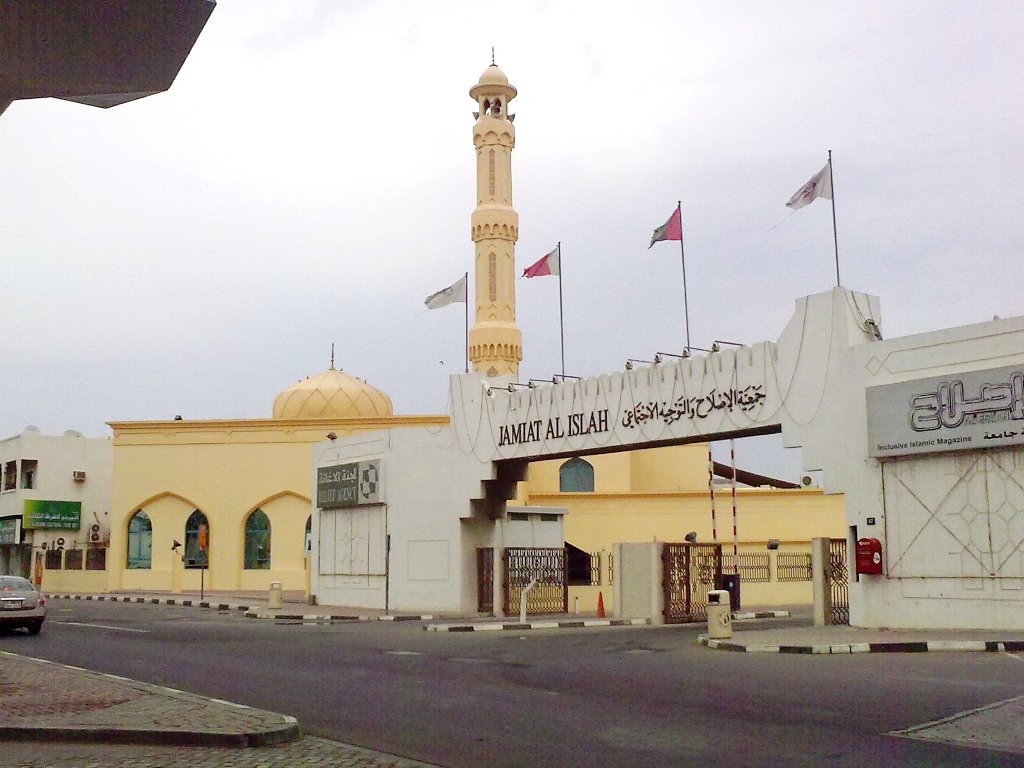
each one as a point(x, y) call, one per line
point(958, 516)
point(353, 542)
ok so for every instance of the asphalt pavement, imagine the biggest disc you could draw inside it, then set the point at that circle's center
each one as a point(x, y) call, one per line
point(56, 714)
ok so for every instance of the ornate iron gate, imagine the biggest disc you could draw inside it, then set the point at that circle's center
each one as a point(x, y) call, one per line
point(485, 579)
point(547, 565)
point(838, 580)
point(689, 572)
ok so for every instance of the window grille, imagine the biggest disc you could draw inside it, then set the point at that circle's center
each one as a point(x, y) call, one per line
point(73, 560)
point(595, 569)
point(755, 567)
point(53, 559)
point(793, 566)
point(96, 559)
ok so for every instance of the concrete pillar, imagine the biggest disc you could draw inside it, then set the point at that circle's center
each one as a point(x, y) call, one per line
point(821, 578)
point(657, 590)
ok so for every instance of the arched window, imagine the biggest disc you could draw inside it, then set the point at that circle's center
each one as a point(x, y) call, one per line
point(140, 541)
point(197, 541)
point(257, 541)
point(576, 476)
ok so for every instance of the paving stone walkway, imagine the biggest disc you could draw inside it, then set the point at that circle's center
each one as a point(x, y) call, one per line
point(307, 751)
point(47, 701)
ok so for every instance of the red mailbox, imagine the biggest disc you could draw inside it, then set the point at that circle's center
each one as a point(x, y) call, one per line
point(869, 556)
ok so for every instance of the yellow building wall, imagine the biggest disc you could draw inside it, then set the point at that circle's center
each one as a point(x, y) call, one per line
point(655, 470)
point(596, 521)
point(225, 469)
point(74, 581)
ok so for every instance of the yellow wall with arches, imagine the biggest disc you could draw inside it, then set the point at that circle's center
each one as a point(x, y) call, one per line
point(224, 469)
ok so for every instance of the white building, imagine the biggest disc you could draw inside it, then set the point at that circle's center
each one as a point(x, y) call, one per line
point(54, 507)
point(924, 434)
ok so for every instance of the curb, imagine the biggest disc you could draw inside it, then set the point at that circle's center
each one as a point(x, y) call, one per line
point(332, 617)
point(249, 612)
point(287, 730)
point(492, 626)
point(910, 646)
point(152, 601)
point(746, 616)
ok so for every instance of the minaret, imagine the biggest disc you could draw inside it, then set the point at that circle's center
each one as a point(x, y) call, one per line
point(495, 342)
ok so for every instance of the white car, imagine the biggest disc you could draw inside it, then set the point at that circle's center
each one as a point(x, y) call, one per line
point(21, 605)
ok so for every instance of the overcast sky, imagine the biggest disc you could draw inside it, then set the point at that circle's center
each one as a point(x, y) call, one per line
point(309, 179)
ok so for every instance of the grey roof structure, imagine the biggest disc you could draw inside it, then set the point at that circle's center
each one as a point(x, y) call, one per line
point(100, 54)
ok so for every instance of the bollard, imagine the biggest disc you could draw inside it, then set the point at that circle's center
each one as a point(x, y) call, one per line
point(274, 595)
point(719, 614)
point(522, 601)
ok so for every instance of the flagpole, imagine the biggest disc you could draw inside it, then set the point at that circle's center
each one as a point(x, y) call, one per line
point(561, 322)
point(835, 235)
point(466, 278)
point(682, 255)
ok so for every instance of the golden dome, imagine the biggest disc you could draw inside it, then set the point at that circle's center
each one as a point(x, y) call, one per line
point(332, 394)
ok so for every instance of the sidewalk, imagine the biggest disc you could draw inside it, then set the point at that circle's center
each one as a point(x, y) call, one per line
point(846, 640)
point(46, 701)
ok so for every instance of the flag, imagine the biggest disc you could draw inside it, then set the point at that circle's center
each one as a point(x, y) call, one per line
point(670, 230)
point(820, 185)
point(548, 265)
point(453, 294)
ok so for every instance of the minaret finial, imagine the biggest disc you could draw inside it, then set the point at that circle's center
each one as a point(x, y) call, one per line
point(492, 55)
point(332, 355)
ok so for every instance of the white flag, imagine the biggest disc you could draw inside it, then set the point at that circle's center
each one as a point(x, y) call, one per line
point(820, 185)
point(453, 294)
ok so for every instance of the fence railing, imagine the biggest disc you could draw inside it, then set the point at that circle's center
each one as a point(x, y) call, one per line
point(793, 566)
point(756, 567)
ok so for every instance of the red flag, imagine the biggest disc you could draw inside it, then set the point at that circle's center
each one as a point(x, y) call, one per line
point(548, 265)
point(670, 230)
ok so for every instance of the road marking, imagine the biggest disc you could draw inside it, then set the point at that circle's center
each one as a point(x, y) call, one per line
point(403, 653)
point(103, 626)
point(1013, 656)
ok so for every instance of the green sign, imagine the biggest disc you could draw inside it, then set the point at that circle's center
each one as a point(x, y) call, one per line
point(40, 514)
point(9, 531)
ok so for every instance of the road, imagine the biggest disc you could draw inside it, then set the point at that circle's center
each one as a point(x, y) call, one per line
point(609, 697)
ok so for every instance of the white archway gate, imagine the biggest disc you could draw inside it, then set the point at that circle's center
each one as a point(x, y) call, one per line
point(829, 384)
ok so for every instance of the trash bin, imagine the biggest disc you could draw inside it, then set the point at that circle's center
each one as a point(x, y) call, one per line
point(274, 595)
point(719, 614)
point(731, 584)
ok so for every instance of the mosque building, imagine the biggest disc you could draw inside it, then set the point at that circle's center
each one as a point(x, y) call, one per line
point(234, 493)
point(229, 504)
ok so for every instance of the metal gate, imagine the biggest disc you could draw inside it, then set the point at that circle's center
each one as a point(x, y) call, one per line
point(838, 580)
point(547, 565)
point(689, 572)
point(485, 579)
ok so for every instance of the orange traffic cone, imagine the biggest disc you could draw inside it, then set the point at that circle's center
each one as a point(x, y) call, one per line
point(600, 605)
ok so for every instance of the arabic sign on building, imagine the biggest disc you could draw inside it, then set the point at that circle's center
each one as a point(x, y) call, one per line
point(964, 411)
point(40, 514)
point(348, 485)
point(734, 392)
point(9, 530)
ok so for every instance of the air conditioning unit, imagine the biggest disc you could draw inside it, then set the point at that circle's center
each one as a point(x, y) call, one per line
point(78, 475)
point(808, 481)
